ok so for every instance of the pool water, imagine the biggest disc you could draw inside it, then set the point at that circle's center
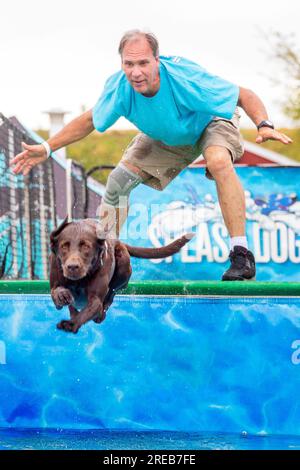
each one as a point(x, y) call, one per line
point(68, 439)
point(160, 373)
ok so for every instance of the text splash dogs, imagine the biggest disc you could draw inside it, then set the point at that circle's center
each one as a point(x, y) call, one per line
point(86, 271)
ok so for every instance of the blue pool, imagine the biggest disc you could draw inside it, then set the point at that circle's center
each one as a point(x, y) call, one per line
point(162, 372)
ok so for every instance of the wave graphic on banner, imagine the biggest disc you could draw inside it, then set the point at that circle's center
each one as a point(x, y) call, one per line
point(180, 217)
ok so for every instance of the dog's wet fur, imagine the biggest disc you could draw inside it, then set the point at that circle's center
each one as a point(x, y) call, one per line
point(87, 270)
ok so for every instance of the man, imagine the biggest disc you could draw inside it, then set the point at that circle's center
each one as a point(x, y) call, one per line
point(181, 111)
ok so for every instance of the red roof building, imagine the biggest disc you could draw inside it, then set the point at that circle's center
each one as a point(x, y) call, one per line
point(255, 155)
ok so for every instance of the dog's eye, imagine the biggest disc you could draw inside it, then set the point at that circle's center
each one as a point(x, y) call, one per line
point(65, 245)
point(83, 244)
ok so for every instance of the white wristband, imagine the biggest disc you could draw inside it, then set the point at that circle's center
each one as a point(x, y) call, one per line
point(47, 148)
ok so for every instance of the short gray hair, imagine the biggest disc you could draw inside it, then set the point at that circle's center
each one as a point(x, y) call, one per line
point(133, 34)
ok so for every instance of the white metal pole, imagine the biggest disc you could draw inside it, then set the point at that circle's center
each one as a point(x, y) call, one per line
point(69, 192)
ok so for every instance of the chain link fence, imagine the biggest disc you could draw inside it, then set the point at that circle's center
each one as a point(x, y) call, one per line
point(31, 206)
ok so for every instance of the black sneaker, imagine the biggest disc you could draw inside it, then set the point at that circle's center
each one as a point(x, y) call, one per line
point(242, 265)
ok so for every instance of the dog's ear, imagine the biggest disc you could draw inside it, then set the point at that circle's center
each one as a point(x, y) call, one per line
point(54, 234)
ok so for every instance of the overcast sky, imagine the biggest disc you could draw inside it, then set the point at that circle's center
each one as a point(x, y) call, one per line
point(59, 53)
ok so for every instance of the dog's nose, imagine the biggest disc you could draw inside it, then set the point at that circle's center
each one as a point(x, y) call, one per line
point(72, 267)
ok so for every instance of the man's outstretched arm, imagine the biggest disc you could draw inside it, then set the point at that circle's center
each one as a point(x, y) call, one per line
point(32, 155)
point(255, 109)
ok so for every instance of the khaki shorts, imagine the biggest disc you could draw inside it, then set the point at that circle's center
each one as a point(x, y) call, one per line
point(159, 164)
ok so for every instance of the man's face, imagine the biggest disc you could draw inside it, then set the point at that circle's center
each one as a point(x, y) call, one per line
point(140, 66)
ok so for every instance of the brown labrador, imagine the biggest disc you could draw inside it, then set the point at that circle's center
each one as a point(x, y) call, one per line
point(86, 271)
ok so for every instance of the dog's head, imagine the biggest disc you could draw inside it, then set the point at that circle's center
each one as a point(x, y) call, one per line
point(78, 248)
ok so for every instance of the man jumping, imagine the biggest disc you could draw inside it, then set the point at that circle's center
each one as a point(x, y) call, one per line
point(181, 111)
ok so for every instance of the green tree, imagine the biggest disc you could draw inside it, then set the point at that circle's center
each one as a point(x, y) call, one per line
point(285, 51)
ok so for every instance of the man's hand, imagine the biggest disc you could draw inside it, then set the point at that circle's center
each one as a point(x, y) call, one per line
point(266, 133)
point(32, 155)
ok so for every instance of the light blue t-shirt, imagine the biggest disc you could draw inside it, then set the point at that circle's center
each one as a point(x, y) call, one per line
point(187, 100)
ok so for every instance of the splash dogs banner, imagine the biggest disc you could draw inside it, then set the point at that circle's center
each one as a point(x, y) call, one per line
point(190, 204)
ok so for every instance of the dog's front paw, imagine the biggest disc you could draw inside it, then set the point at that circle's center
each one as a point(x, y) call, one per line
point(68, 325)
point(61, 297)
point(100, 317)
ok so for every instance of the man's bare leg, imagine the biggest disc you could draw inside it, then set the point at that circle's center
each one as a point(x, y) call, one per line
point(230, 192)
point(232, 202)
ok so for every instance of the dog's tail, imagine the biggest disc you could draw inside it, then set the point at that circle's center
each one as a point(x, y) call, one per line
point(163, 252)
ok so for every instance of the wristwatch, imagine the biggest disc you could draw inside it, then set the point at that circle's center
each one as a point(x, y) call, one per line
point(265, 124)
